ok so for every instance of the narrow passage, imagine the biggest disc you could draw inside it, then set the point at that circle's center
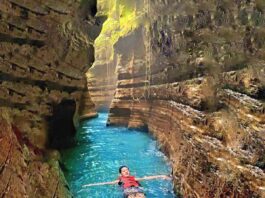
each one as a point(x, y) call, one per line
point(102, 150)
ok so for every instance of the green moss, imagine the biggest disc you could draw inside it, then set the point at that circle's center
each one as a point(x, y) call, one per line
point(122, 19)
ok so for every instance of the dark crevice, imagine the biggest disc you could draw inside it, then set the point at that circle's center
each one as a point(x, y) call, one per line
point(21, 41)
point(258, 94)
point(88, 9)
point(61, 127)
point(93, 8)
point(42, 84)
point(7, 103)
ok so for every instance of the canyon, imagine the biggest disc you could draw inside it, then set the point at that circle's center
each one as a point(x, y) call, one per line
point(190, 72)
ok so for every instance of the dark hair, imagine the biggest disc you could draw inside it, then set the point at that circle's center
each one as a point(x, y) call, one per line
point(122, 168)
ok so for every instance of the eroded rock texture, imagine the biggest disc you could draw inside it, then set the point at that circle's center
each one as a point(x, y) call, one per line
point(26, 170)
point(193, 73)
point(45, 49)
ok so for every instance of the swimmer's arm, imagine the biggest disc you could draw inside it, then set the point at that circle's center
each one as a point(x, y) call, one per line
point(102, 183)
point(138, 179)
point(154, 177)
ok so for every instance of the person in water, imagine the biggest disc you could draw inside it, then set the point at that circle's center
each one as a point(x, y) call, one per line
point(130, 184)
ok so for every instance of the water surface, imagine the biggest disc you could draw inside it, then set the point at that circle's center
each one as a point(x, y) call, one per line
point(102, 150)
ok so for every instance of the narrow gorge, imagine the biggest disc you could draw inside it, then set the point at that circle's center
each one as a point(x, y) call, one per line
point(189, 72)
point(192, 73)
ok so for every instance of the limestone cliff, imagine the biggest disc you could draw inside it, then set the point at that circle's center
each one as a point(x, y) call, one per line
point(192, 72)
point(45, 49)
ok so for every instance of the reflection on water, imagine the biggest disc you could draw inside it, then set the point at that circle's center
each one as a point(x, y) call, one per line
point(102, 150)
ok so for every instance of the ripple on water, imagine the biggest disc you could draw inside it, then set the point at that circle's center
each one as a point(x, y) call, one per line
point(101, 150)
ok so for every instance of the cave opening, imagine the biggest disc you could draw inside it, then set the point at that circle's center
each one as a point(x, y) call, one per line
point(61, 127)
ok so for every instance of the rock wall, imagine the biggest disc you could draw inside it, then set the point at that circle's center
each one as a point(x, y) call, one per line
point(27, 170)
point(45, 49)
point(193, 73)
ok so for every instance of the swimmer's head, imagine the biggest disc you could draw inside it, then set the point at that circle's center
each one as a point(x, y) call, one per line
point(124, 171)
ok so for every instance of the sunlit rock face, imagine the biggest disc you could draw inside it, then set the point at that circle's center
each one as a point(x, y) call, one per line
point(45, 49)
point(192, 72)
point(122, 18)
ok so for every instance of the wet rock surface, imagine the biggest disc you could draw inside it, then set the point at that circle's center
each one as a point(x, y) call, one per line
point(45, 49)
point(26, 170)
point(194, 76)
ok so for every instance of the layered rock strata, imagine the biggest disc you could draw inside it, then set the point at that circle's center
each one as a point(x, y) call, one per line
point(195, 78)
point(45, 49)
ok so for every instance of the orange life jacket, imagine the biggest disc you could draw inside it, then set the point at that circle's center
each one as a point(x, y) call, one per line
point(128, 181)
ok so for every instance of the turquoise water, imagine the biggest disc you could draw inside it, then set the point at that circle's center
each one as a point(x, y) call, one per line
point(102, 150)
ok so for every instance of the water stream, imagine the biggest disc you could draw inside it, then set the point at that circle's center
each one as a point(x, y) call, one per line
point(102, 150)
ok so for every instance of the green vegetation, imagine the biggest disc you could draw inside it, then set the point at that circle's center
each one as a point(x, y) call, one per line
point(122, 18)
